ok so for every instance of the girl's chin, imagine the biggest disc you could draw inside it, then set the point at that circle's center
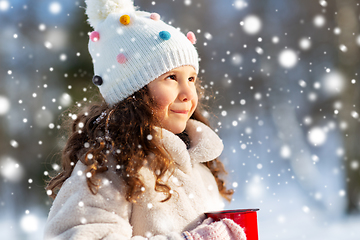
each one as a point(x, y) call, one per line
point(179, 128)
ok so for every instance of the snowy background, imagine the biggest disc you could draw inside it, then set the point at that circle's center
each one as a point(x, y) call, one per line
point(282, 83)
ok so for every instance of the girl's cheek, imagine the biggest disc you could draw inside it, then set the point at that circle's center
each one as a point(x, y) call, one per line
point(162, 101)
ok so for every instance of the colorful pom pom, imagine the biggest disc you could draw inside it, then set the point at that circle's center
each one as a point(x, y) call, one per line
point(191, 36)
point(97, 80)
point(165, 35)
point(155, 16)
point(125, 19)
point(120, 58)
point(94, 36)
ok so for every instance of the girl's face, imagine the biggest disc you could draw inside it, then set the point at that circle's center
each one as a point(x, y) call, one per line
point(175, 96)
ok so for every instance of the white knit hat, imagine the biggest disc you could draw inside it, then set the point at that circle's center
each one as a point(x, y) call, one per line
point(131, 48)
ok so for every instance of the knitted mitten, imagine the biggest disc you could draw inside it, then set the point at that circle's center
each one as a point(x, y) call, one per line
point(225, 229)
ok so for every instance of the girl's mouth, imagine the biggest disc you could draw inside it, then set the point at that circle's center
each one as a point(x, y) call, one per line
point(181, 111)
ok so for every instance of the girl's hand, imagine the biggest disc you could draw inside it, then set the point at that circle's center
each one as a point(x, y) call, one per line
point(225, 229)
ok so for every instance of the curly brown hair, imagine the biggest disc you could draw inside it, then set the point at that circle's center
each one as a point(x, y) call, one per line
point(121, 132)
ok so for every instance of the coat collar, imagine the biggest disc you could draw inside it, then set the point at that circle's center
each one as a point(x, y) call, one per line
point(205, 145)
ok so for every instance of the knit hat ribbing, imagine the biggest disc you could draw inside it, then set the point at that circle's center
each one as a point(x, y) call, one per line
point(131, 48)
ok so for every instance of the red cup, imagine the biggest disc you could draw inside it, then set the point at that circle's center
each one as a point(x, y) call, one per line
point(245, 218)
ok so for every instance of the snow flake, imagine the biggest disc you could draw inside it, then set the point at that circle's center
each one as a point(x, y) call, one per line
point(29, 223)
point(337, 31)
point(319, 21)
point(4, 105)
point(342, 193)
point(10, 169)
point(343, 125)
point(63, 57)
point(42, 27)
point(306, 209)
point(55, 8)
point(354, 114)
point(48, 44)
point(323, 3)
point(187, 2)
point(257, 96)
point(208, 36)
point(236, 59)
point(305, 44)
point(14, 143)
point(318, 196)
point(343, 48)
point(252, 24)
point(334, 83)
point(275, 40)
point(65, 99)
point(317, 136)
point(285, 151)
point(239, 4)
point(358, 40)
point(315, 158)
point(287, 58)
point(83, 220)
point(248, 130)
point(281, 218)
point(4, 5)
point(259, 50)
point(302, 83)
point(354, 165)
point(56, 167)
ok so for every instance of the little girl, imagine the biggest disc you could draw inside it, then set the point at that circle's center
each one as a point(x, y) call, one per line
point(140, 165)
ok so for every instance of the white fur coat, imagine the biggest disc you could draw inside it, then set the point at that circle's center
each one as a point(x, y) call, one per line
point(77, 214)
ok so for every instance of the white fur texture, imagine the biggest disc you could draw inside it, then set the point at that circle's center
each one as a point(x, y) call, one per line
point(77, 214)
point(98, 10)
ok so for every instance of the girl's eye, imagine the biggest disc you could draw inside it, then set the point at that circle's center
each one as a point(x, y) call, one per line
point(173, 77)
point(192, 79)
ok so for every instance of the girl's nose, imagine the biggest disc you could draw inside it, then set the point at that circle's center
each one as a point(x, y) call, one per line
point(187, 92)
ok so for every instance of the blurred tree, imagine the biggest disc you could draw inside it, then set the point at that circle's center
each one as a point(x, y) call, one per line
point(348, 62)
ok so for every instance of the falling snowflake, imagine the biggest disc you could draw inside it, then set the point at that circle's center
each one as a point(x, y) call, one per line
point(252, 24)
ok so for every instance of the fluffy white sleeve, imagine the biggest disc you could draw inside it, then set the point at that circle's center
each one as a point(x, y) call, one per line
point(77, 214)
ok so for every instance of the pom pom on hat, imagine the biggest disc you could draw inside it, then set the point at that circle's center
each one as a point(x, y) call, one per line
point(94, 36)
point(125, 19)
point(191, 36)
point(155, 16)
point(98, 10)
point(165, 35)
